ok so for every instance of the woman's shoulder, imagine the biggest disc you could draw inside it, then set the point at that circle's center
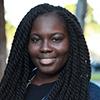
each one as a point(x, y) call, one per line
point(94, 91)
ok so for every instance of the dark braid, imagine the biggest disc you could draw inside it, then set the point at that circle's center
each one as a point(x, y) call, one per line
point(73, 79)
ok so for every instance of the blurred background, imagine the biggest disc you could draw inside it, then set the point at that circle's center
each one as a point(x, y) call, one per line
point(87, 12)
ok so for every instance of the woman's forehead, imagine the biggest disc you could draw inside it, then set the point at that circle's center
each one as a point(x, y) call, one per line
point(50, 15)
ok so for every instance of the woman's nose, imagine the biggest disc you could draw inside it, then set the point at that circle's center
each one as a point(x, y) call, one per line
point(46, 47)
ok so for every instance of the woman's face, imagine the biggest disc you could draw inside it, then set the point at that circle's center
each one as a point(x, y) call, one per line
point(48, 44)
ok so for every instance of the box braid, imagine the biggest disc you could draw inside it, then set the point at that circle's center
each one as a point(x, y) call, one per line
point(73, 80)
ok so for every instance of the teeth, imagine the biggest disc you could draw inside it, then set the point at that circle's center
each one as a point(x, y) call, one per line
point(47, 61)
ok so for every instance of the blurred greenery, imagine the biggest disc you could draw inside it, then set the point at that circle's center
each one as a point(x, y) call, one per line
point(90, 23)
point(10, 30)
point(70, 7)
point(95, 76)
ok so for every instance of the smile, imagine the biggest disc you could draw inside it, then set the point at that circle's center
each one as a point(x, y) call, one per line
point(47, 61)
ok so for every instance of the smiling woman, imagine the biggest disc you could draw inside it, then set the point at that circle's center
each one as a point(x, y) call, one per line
point(48, 44)
point(49, 59)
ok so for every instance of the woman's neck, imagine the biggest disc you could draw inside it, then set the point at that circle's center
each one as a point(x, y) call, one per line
point(41, 79)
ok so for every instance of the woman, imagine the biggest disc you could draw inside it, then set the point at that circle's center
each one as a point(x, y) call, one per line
point(49, 59)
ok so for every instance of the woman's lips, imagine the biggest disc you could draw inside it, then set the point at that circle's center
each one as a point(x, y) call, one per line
point(47, 61)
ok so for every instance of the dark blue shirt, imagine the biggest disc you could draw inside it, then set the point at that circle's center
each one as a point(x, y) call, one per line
point(39, 92)
point(94, 91)
point(35, 92)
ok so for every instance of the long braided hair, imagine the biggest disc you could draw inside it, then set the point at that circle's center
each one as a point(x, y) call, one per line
point(73, 80)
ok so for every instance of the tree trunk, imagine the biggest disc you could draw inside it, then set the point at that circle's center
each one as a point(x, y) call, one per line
point(81, 11)
point(2, 40)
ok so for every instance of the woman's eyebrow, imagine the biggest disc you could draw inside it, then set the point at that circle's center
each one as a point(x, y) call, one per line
point(57, 33)
point(34, 34)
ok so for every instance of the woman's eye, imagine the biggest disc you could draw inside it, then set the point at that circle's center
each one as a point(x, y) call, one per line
point(56, 39)
point(35, 40)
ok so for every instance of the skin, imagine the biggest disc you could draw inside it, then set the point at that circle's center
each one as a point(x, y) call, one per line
point(48, 47)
